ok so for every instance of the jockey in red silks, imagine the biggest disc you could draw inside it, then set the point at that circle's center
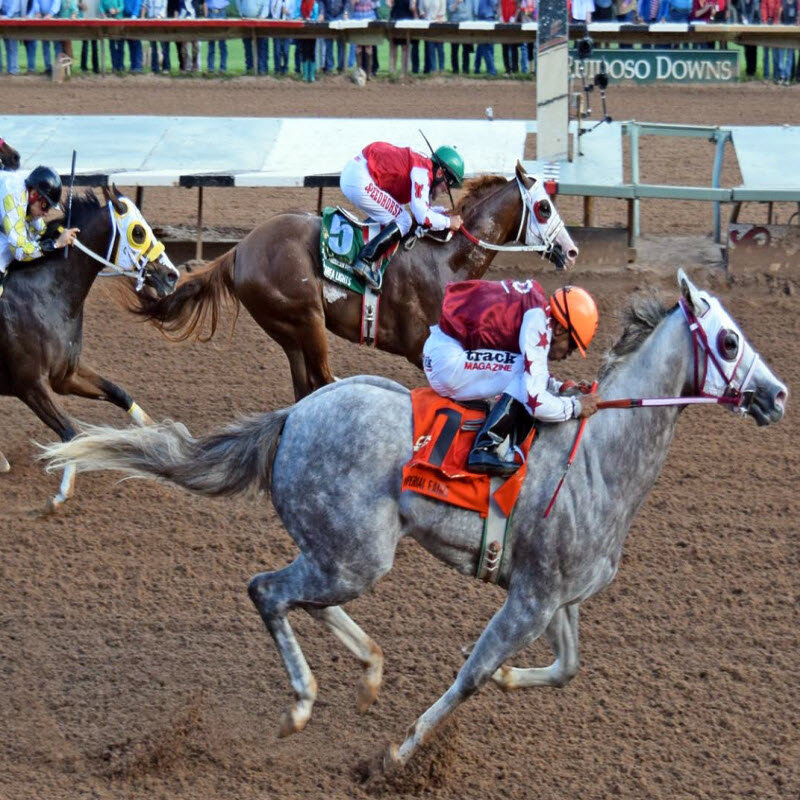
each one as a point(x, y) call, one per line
point(383, 178)
point(495, 338)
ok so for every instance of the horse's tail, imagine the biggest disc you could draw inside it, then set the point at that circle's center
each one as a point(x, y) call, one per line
point(225, 463)
point(193, 309)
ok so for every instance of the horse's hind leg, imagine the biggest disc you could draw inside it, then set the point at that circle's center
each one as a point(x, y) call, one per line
point(85, 382)
point(361, 646)
point(40, 399)
point(301, 584)
point(315, 353)
point(562, 634)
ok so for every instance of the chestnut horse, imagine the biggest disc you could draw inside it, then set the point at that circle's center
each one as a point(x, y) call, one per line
point(9, 157)
point(276, 273)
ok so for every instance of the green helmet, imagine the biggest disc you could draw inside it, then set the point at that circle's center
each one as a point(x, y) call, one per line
point(451, 162)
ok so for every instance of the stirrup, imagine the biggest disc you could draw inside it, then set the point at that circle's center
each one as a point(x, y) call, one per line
point(487, 462)
point(371, 275)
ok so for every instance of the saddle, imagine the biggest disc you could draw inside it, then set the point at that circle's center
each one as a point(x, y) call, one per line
point(444, 433)
point(342, 237)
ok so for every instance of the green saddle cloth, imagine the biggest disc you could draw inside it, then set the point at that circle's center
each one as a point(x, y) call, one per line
point(340, 242)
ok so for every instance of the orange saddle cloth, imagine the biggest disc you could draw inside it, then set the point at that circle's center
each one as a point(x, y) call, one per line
point(444, 433)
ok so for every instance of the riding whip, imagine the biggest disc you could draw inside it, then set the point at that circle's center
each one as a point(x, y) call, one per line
point(571, 459)
point(433, 153)
point(69, 199)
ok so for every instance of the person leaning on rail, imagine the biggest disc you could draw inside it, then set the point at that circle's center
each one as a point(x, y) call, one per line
point(496, 337)
point(382, 178)
point(24, 201)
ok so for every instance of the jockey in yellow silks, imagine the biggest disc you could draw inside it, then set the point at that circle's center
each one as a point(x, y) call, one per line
point(24, 201)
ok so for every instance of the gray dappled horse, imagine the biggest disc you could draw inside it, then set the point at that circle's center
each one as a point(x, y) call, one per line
point(347, 540)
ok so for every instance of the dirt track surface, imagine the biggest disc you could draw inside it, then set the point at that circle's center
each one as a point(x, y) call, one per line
point(132, 663)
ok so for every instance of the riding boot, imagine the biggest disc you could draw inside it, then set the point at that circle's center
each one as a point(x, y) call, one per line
point(369, 259)
point(508, 420)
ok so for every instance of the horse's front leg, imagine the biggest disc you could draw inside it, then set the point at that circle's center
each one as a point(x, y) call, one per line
point(41, 400)
point(514, 626)
point(562, 634)
point(85, 382)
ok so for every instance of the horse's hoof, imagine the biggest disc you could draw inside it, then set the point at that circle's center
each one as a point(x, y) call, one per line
point(293, 721)
point(4, 465)
point(391, 760)
point(367, 694)
point(370, 681)
point(52, 505)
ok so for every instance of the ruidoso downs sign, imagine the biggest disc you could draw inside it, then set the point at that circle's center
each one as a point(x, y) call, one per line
point(669, 66)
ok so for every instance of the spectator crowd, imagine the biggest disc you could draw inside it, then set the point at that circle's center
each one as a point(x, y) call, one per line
point(307, 56)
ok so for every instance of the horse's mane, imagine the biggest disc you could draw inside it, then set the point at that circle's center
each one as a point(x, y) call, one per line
point(639, 319)
point(85, 206)
point(476, 188)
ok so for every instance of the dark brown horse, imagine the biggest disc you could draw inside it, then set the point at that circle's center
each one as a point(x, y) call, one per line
point(9, 157)
point(41, 314)
point(275, 272)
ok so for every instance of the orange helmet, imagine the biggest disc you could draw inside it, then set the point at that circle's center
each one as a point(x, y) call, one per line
point(576, 311)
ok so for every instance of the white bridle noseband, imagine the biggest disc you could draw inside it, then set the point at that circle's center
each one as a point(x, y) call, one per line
point(549, 234)
point(112, 269)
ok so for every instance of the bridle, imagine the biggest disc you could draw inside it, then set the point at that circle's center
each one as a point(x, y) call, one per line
point(112, 269)
point(738, 395)
point(549, 235)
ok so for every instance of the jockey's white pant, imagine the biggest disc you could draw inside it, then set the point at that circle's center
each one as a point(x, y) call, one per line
point(463, 374)
point(358, 187)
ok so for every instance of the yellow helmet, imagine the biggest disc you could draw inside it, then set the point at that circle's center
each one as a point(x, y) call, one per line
point(574, 309)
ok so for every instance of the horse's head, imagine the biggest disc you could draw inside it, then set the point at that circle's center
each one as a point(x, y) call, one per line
point(545, 226)
point(9, 157)
point(725, 363)
point(135, 250)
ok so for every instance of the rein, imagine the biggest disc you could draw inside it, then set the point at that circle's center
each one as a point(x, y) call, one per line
point(112, 270)
point(738, 397)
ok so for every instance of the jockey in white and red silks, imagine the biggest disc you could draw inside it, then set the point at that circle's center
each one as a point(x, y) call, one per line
point(383, 178)
point(495, 338)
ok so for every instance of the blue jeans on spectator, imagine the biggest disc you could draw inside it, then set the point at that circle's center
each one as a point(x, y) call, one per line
point(136, 55)
point(262, 54)
point(12, 57)
point(217, 13)
point(485, 52)
point(280, 55)
point(414, 48)
point(785, 65)
point(434, 57)
point(770, 63)
point(165, 63)
point(117, 50)
point(47, 50)
point(327, 45)
point(527, 58)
